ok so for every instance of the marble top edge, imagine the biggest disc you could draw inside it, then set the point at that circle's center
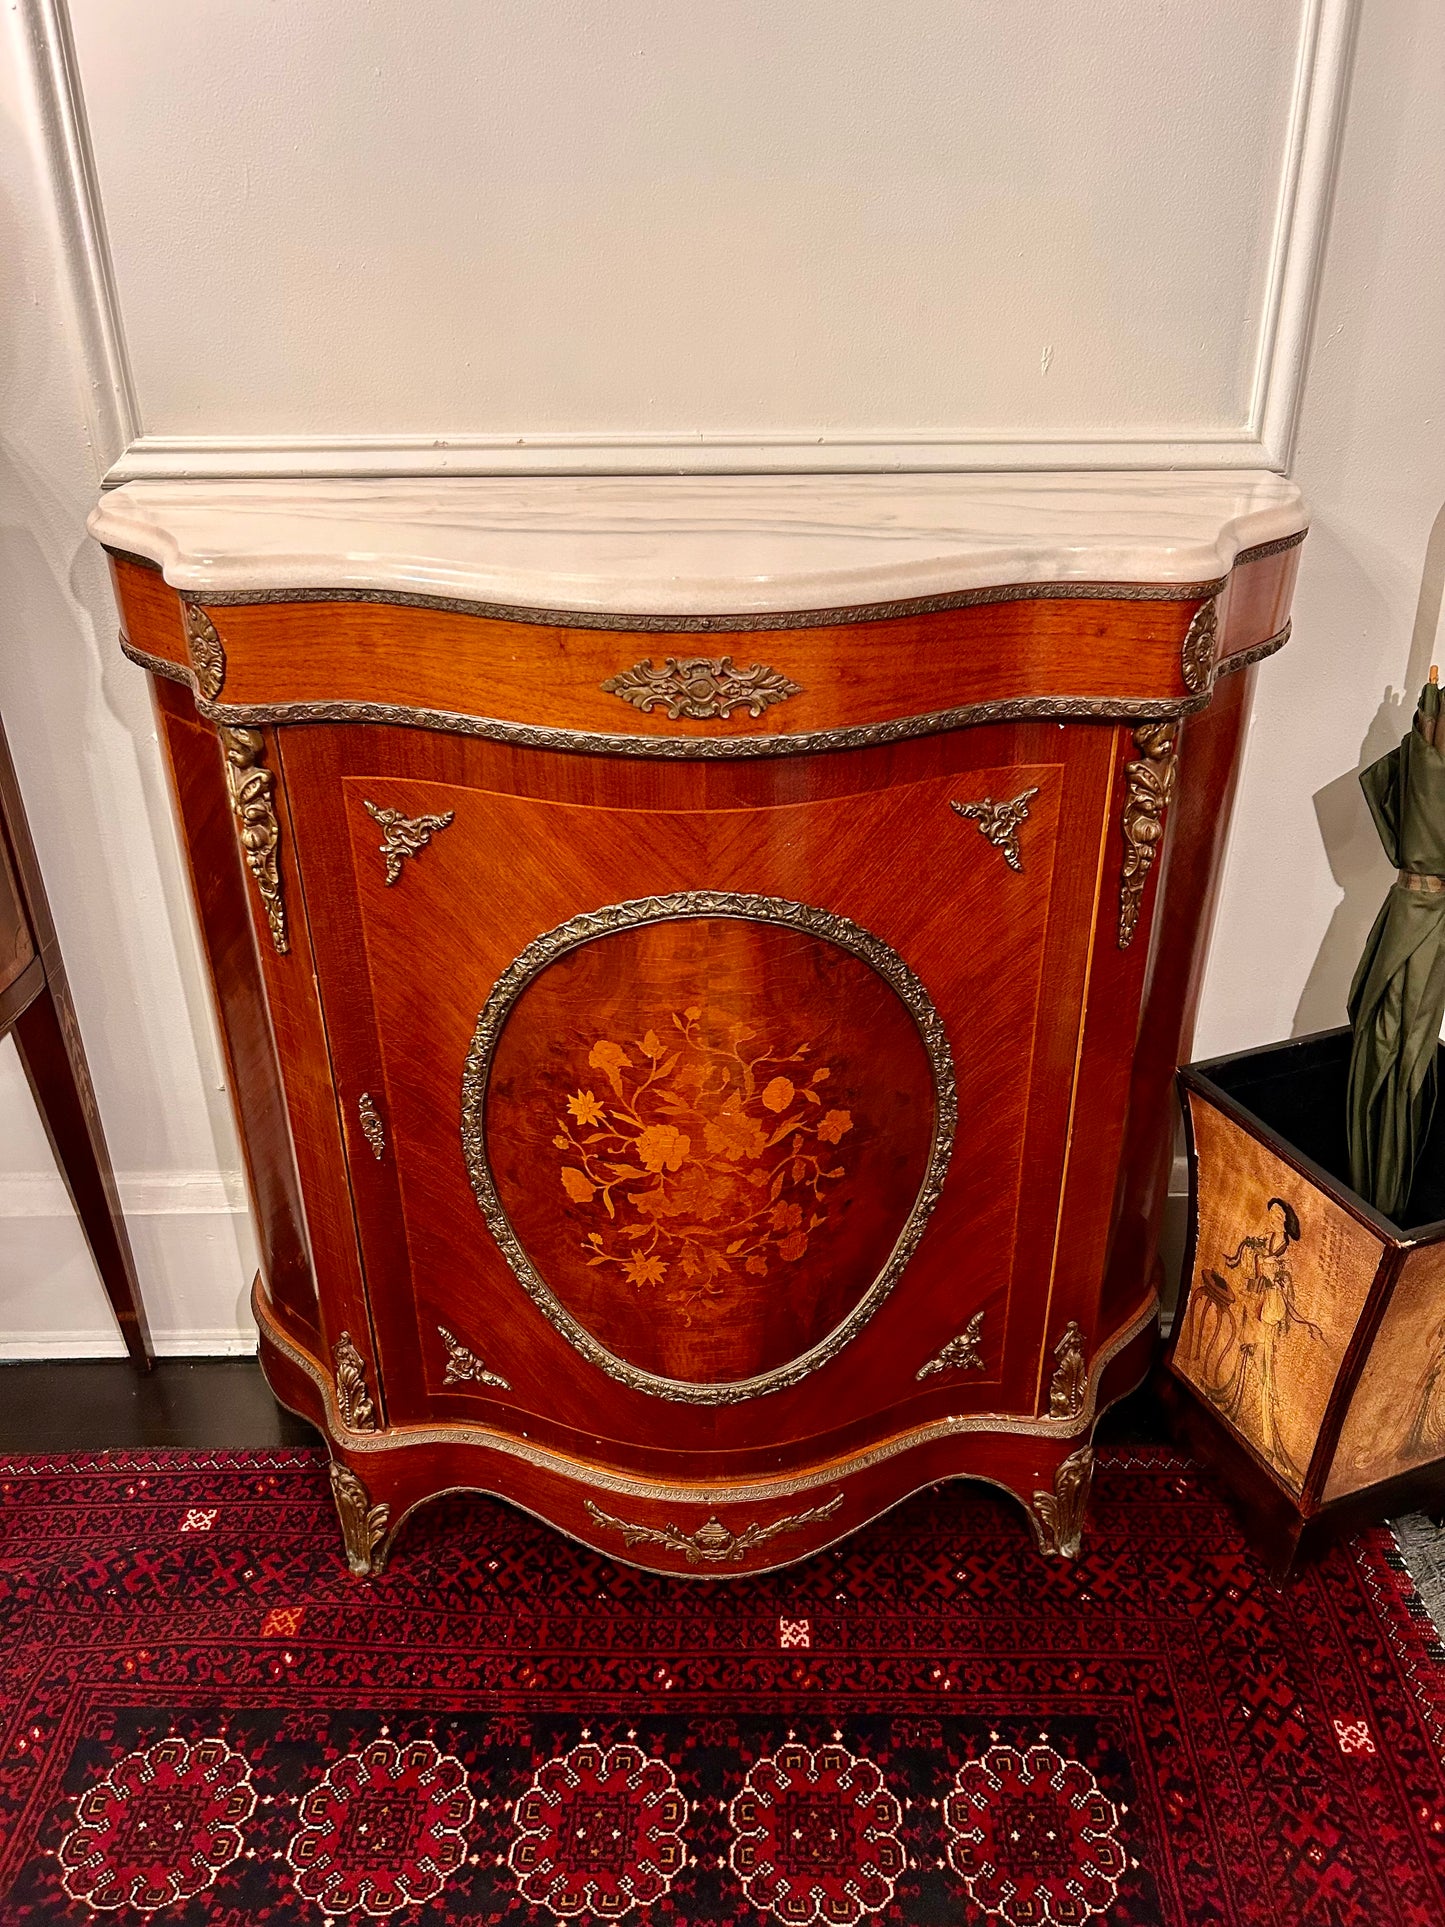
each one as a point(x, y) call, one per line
point(697, 545)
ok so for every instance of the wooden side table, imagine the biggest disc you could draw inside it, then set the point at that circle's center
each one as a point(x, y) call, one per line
point(35, 1005)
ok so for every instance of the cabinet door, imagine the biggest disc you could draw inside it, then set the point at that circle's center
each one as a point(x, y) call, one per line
point(698, 1105)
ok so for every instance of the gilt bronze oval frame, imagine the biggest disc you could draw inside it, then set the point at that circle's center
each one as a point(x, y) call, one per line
point(689, 904)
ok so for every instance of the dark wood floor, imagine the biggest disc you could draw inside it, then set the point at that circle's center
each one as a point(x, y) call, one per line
point(100, 1404)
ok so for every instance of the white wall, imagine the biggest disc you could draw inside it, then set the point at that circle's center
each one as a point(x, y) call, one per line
point(427, 234)
point(82, 737)
point(641, 217)
point(632, 231)
point(1305, 873)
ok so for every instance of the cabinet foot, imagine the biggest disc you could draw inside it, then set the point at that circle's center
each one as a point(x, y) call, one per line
point(364, 1526)
point(1057, 1517)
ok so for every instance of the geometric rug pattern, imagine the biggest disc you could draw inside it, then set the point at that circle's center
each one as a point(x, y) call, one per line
point(203, 1718)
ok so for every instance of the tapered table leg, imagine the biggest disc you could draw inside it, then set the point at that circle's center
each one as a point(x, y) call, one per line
point(51, 1050)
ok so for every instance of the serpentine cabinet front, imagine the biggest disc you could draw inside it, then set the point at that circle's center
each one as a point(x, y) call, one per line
point(682, 1095)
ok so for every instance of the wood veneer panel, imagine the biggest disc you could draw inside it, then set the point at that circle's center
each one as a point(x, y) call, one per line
point(552, 677)
point(151, 610)
point(218, 886)
point(849, 674)
point(1257, 601)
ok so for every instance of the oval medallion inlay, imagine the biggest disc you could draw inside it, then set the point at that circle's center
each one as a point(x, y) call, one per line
point(706, 1131)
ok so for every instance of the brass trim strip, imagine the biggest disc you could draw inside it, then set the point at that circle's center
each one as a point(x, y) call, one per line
point(745, 1491)
point(1277, 547)
point(1246, 658)
point(159, 666)
point(688, 748)
point(745, 622)
point(1109, 709)
point(690, 904)
point(1009, 709)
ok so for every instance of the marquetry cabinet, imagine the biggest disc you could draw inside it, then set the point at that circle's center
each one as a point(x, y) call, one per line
point(702, 964)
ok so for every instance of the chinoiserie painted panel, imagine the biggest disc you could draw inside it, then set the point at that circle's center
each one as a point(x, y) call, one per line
point(1396, 1419)
point(1281, 1275)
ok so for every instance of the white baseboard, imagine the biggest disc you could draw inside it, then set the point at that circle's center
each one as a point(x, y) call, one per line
point(195, 1254)
point(63, 1345)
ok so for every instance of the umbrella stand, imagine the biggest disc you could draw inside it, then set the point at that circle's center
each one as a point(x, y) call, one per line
point(1307, 1359)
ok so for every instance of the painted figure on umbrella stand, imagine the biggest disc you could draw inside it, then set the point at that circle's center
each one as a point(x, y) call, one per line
point(1239, 1326)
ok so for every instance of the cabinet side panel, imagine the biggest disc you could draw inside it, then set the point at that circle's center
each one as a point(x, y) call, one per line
point(1209, 749)
point(150, 609)
point(1256, 605)
point(1099, 1085)
point(218, 887)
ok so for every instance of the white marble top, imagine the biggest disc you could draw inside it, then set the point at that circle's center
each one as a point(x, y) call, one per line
point(694, 544)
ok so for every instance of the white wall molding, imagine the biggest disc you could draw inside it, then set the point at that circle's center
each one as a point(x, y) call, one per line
point(1265, 439)
point(110, 398)
point(196, 458)
point(1302, 222)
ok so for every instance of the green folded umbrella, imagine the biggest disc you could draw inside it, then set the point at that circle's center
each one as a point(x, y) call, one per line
point(1398, 997)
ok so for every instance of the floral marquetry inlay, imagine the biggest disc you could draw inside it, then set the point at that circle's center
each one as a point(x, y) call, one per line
point(702, 1150)
point(704, 1140)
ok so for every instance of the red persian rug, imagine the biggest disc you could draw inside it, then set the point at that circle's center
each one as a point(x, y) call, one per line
point(206, 1720)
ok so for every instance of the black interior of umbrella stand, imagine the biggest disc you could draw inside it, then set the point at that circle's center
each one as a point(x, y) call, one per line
point(1298, 1091)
